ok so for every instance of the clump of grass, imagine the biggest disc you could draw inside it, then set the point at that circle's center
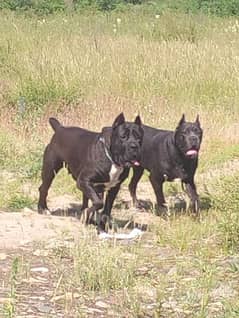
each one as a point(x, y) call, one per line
point(18, 201)
point(226, 201)
point(13, 195)
point(185, 234)
point(9, 307)
point(218, 153)
point(103, 268)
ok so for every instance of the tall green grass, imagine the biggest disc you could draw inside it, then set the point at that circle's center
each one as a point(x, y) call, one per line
point(227, 203)
point(188, 62)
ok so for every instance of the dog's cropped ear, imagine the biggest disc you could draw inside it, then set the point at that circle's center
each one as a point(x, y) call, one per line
point(182, 120)
point(119, 120)
point(197, 121)
point(106, 133)
point(138, 120)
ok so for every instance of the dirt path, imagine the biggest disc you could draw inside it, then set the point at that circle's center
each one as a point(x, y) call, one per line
point(17, 229)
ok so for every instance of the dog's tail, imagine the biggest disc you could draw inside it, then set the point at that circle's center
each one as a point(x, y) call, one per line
point(55, 124)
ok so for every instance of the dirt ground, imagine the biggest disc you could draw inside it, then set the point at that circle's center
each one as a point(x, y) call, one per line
point(23, 234)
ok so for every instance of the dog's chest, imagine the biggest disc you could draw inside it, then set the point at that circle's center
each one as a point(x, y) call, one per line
point(114, 174)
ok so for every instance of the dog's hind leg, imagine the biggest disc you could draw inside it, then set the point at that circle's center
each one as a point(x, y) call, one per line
point(51, 165)
point(85, 202)
point(137, 174)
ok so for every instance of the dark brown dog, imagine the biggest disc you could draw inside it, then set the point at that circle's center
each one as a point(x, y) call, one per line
point(98, 162)
point(168, 155)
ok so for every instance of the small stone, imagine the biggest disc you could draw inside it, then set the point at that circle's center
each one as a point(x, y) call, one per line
point(41, 279)
point(44, 308)
point(25, 242)
point(38, 297)
point(57, 298)
point(27, 211)
point(39, 252)
point(33, 280)
point(40, 269)
point(4, 300)
point(169, 305)
point(223, 291)
point(152, 306)
point(76, 295)
point(3, 256)
point(166, 305)
point(68, 296)
point(216, 307)
point(143, 270)
point(94, 310)
point(102, 304)
point(172, 271)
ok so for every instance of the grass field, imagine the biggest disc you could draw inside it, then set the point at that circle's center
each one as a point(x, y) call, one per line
point(85, 69)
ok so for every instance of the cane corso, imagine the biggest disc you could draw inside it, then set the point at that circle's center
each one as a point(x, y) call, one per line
point(98, 162)
point(168, 155)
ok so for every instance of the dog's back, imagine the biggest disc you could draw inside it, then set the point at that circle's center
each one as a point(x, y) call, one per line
point(154, 140)
point(70, 143)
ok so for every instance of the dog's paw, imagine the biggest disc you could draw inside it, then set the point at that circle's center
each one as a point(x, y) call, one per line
point(143, 205)
point(44, 211)
point(162, 211)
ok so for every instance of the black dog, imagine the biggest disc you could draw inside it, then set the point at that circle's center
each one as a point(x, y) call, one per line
point(97, 161)
point(168, 155)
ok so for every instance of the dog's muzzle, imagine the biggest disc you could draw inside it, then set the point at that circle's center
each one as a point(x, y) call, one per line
point(193, 146)
point(133, 154)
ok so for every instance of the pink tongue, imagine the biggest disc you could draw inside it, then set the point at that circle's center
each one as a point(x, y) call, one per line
point(136, 163)
point(191, 152)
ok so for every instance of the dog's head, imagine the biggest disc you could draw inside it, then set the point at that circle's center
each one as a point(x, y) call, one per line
point(124, 141)
point(188, 137)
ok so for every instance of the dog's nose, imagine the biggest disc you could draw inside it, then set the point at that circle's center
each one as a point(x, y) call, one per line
point(194, 139)
point(133, 146)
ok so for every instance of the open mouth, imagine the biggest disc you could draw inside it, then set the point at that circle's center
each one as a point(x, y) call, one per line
point(132, 163)
point(192, 153)
point(135, 163)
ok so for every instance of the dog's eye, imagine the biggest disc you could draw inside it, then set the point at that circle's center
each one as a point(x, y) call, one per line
point(124, 137)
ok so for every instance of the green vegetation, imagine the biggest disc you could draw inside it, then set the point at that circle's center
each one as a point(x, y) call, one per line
point(9, 307)
point(227, 204)
point(43, 7)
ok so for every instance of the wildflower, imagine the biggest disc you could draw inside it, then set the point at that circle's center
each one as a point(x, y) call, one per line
point(118, 20)
point(157, 16)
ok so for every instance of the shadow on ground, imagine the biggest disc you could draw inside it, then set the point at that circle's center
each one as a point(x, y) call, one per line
point(125, 216)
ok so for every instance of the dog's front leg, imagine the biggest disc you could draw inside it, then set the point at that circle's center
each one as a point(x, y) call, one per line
point(105, 215)
point(137, 174)
point(157, 184)
point(87, 187)
point(192, 193)
point(109, 201)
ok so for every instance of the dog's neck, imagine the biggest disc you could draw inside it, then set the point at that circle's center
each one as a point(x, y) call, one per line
point(107, 153)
